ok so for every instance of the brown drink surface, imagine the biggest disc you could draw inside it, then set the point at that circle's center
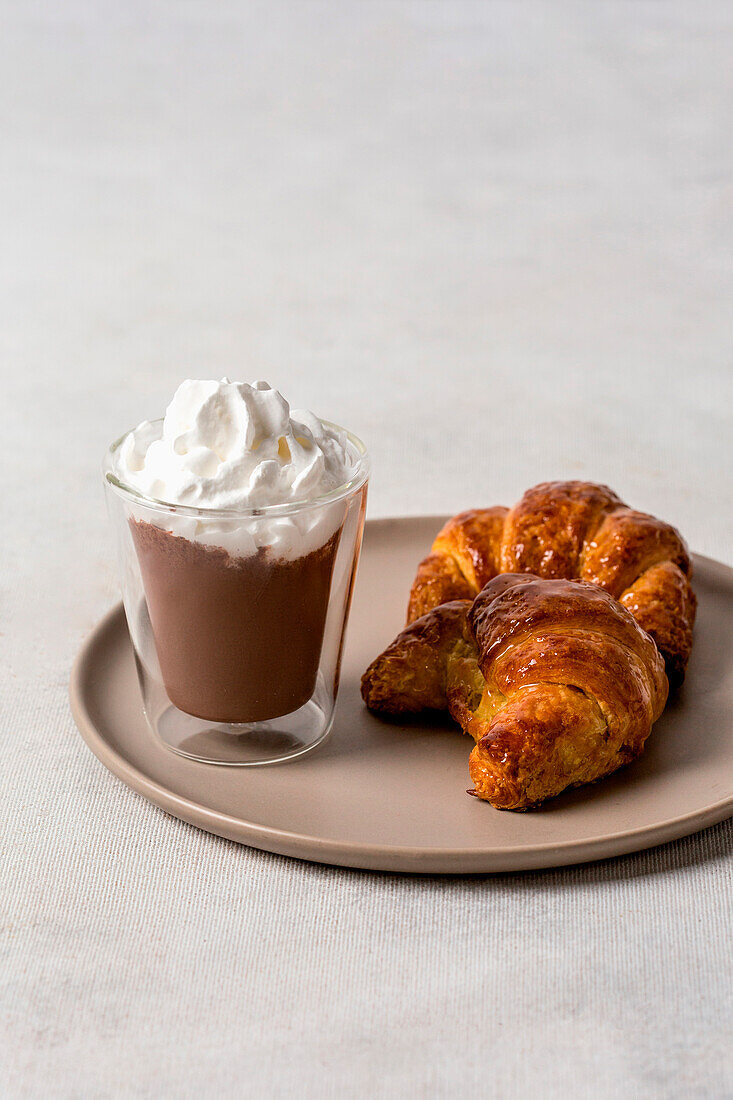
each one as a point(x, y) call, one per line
point(238, 639)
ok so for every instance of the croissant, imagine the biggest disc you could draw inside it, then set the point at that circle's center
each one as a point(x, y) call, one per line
point(554, 679)
point(574, 530)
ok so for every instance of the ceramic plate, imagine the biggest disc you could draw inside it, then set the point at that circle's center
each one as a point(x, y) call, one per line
point(392, 796)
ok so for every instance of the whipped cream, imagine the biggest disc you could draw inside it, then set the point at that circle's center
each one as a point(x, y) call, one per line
point(235, 446)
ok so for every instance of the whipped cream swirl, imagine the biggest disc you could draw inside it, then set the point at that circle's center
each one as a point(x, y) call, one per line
point(231, 445)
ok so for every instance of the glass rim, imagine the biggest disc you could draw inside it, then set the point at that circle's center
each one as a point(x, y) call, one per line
point(348, 488)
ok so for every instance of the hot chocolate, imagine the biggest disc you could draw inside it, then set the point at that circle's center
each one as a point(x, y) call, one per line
point(237, 509)
point(238, 639)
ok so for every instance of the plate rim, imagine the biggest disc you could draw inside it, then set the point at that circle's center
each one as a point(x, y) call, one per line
point(364, 856)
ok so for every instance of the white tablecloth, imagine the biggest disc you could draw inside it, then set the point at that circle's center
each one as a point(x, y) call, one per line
point(494, 239)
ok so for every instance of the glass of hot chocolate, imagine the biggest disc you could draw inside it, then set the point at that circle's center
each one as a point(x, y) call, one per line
point(238, 528)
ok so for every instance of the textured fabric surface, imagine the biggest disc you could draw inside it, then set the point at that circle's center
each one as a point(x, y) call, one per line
point(493, 238)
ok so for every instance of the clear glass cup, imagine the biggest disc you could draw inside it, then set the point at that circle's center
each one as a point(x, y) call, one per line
point(237, 618)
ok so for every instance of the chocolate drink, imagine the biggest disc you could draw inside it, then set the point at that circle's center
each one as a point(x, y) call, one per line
point(238, 639)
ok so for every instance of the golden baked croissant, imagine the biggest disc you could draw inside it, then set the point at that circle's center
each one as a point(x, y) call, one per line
point(554, 679)
point(574, 530)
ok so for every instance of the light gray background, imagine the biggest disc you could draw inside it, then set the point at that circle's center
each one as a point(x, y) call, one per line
point(494, 239)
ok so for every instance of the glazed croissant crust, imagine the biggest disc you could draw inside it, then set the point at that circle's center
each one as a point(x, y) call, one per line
point(574, 530)
point(545, 630)
point(554, 679)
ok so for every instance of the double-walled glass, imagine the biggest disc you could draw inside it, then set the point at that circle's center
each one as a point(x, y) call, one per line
point(237, 618)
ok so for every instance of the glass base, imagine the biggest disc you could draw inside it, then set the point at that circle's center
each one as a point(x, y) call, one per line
point(233, 743)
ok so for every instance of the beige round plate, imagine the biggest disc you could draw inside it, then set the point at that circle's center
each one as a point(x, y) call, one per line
point(392, 797)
